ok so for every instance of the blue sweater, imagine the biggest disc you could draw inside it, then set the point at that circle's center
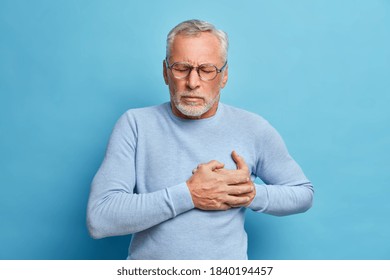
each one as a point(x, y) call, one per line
point(141, 189)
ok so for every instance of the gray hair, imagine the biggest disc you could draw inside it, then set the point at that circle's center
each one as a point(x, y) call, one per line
point(193, 28)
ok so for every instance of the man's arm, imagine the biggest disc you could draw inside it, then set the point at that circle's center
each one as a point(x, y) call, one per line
point(113, 207)
point(286, 190)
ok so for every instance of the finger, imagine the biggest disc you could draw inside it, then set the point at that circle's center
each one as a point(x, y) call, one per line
point(250, 199)
point(237, 201)
point(233, 177)
point(240, 162)
point(240, 205)
point(223, 206)
point(213, 165)
point(250, 196)
point(238, 190)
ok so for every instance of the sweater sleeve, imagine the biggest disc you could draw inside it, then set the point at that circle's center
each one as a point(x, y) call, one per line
point(113, 206)
point(286, 190)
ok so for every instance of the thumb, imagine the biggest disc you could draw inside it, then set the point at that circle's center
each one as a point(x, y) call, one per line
point(240, 162)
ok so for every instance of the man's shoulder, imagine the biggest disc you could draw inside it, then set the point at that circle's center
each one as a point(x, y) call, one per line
point(136, 117)
point(241, 115)
point(147, 111)
point(246, 121)
point(147, 114)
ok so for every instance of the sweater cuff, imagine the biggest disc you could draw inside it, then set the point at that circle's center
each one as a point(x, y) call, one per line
point(180, 197)
point(261, 200)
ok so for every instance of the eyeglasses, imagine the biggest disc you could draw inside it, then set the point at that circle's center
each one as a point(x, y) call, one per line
point(206, 72)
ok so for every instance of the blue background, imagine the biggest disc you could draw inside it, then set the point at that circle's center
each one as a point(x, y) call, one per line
point(319, 71)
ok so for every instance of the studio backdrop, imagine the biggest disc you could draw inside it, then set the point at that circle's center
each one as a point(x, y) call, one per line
point(318, 71)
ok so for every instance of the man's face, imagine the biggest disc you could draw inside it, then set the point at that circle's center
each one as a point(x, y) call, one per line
point(191, 97)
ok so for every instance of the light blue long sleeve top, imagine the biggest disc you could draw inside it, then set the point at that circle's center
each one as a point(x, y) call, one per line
point(140, 187)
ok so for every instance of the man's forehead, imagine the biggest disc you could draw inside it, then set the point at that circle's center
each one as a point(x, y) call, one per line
point(203, 46)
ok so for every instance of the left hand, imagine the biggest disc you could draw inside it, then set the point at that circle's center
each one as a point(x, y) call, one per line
point(241, 167)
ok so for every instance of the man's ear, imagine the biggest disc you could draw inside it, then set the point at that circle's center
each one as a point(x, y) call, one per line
point(225, 73)
point(165, 72)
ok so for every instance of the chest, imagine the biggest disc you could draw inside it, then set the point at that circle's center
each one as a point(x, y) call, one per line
point(167, 155)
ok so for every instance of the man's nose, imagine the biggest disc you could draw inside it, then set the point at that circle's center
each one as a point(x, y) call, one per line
point(193, 79)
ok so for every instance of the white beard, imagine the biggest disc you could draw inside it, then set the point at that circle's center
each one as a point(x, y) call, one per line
point(193, 110)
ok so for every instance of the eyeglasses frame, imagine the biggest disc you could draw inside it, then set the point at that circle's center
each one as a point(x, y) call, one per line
point(219, 70)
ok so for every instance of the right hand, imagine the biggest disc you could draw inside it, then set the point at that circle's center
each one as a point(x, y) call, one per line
point(212, 190)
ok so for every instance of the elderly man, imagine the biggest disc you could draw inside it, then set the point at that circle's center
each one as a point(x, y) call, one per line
point(180, 176)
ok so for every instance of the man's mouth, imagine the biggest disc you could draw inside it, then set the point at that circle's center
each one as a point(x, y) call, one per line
point(191, 99)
